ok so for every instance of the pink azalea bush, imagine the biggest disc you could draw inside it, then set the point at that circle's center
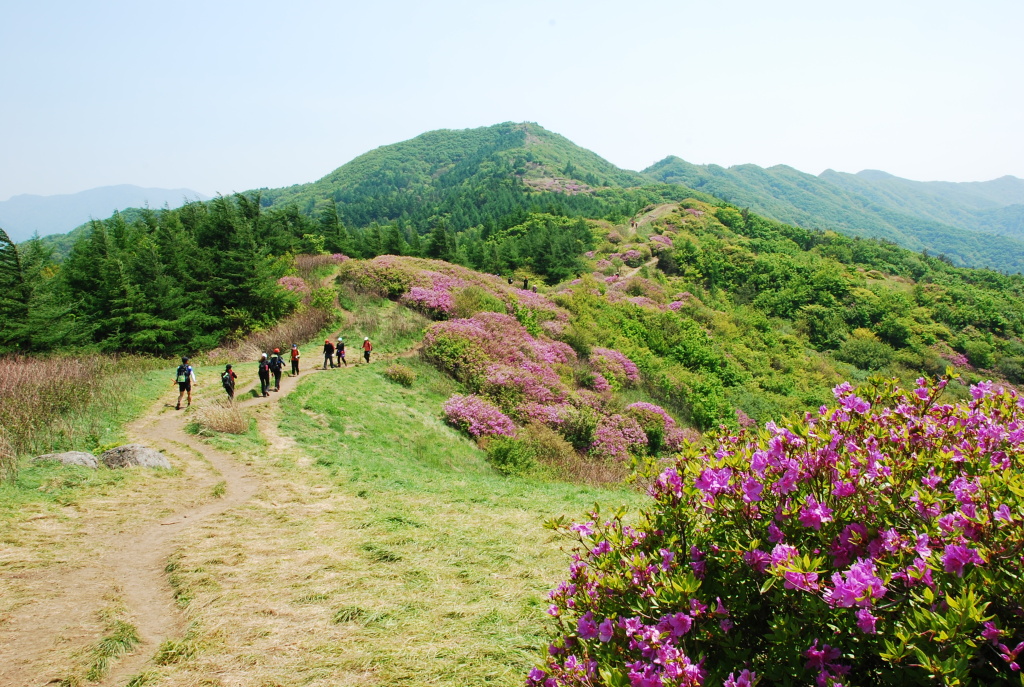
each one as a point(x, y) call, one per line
point(477, 416)
point(632, 257)
point(619, 370)
point(535, 379)
point(294, 284)
point(616, 436)
point(876, 542)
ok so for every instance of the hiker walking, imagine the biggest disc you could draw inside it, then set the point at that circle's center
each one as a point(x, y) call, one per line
point(295, 360)
point(340, 350)
point(328, 353)
point(185, 377)
point(227, 378)
point(264, 373)
point(277, 367)
point(367, 347)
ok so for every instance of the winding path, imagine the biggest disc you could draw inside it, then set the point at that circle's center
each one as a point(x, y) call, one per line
point(38, 638)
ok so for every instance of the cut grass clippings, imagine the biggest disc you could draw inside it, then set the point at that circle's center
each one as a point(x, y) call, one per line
point(382, 549)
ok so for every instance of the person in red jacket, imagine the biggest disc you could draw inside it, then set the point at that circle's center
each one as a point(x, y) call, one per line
point(295, 360)
point(367, 347)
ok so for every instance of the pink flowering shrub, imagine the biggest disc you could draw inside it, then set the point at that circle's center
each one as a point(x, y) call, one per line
point(616, 436)
point(655, 422)
point(878, 542)
point(294, 284)
point(477, 416)
point(632, 257)
point(619, 370)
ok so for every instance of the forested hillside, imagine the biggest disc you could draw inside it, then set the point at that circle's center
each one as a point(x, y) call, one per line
point(977, 224)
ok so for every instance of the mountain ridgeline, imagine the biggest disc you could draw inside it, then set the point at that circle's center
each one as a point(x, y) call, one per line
point(980, 224)
point(780, 302)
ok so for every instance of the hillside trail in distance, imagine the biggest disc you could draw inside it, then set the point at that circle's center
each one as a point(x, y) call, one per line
point(38, 638)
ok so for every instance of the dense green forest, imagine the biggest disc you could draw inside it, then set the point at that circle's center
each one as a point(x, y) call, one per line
point(976, 224)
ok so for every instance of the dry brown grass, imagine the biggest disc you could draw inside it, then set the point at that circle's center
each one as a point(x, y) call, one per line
point(298, 327)
point(44, 399)
point(222, 416)
point(560, 458)
point(311, 267)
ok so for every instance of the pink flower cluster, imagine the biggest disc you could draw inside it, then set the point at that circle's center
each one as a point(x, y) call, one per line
point(616, 436)
point(879, 516)
point(338, 257)
point(294, 284)
point(615, 366)
point(477, 416)
point(632, 257)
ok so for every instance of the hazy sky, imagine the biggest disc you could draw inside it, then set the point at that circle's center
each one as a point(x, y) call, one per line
point(227, 95)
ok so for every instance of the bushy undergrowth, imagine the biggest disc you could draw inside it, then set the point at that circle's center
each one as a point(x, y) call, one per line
point(302, 325)
point(878, 542)
point(45, 401)
point(400, 374)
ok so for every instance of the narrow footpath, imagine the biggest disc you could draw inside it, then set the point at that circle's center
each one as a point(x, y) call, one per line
point(39, 638)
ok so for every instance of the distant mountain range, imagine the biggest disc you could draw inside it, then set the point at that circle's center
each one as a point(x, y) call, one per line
point(980, 224)
point(24, 215)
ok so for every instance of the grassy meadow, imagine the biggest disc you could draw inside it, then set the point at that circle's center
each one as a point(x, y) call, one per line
point(382, 549)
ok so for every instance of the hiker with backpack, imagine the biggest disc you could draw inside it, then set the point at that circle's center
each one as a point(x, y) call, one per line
point(328, 353)
point(367, 347)
point(185, 377)
point(277, 367)
point(340, 350)
point(227, 378)
point(264, 373)
point(295, 360)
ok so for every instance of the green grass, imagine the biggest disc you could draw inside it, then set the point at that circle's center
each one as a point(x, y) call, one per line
point(119, 638)
point(453, 560)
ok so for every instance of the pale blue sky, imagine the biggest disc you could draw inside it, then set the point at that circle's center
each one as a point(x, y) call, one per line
point(228, 96)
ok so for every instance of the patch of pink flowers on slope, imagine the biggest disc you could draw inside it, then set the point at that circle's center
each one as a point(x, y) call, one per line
point(477, 416)
point(294, 284)
point(616, 436)
point(848, 518)
point(614, 365)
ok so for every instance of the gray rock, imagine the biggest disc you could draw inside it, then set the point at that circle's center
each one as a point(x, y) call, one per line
point(134, 454)
point(86, 460)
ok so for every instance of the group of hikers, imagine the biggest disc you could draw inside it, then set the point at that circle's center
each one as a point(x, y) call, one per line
point(269, 366)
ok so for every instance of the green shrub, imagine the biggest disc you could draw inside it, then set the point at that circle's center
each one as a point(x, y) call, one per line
point(511, 456)
point(578, 426)
point(472, 299)
point(400, 374)
point(980, 354)
point(865, 351)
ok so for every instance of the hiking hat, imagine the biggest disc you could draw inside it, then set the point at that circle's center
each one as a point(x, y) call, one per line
point(366, 338)
point(263, 355)
point(277, 350)
point(327, 341)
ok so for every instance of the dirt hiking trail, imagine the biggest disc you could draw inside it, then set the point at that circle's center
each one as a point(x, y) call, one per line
point(124, 563)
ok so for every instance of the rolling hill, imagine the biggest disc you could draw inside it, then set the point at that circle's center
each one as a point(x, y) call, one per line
point(975, 224)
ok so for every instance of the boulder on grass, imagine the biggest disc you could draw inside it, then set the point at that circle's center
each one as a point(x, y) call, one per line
point(86, 460)
point(134, 454)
